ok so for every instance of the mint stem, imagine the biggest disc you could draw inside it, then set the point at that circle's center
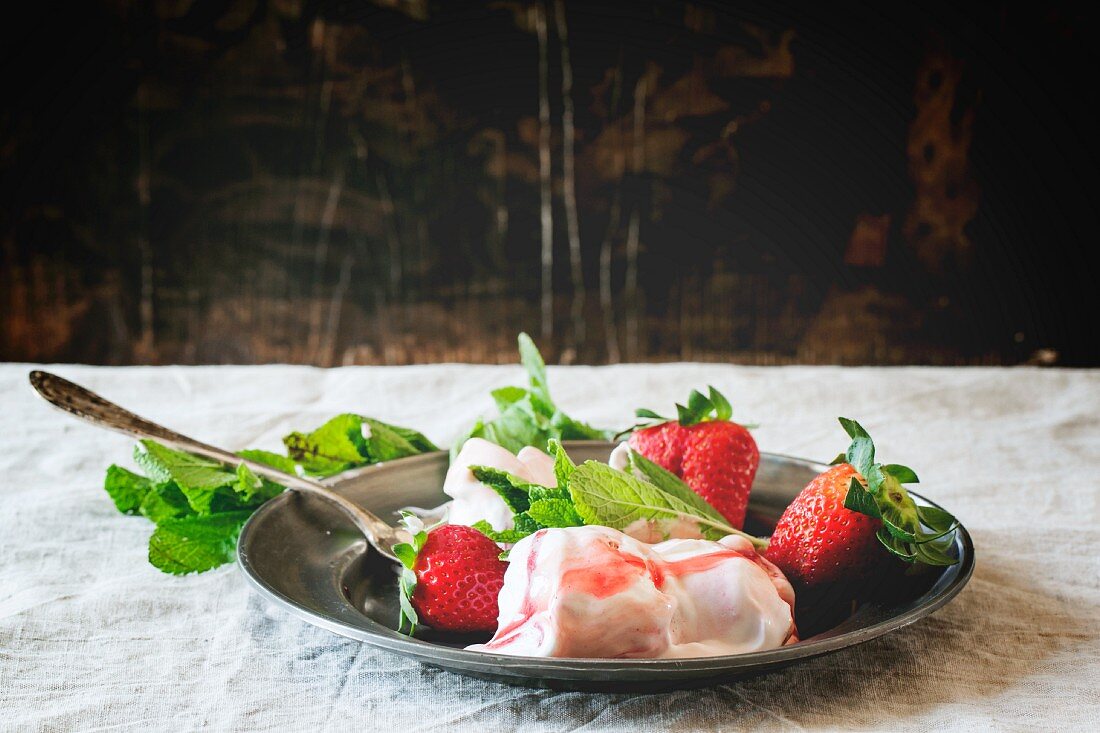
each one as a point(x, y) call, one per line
point(760, 543)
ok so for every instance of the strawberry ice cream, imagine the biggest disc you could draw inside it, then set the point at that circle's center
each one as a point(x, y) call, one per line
point(473, 500)
point(595, 592)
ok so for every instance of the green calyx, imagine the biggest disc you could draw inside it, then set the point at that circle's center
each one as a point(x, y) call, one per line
point(407, 553)
point(916, 534)
point(699, 408)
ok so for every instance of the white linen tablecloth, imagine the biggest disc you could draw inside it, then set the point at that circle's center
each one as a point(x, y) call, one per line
point(93, 638)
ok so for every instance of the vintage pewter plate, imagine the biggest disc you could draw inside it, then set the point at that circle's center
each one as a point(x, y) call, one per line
point(302, 554)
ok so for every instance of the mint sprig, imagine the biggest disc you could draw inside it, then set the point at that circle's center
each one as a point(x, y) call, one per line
point(595, 493)
point(528, 415)
point(199, 505)
point(915, 534)
point(533, 506)
point(616, 499)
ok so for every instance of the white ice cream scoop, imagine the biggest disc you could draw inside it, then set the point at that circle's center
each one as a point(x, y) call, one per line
point(473, 500)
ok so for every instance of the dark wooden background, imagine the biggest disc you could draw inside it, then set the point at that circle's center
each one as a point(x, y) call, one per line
point(412, 180)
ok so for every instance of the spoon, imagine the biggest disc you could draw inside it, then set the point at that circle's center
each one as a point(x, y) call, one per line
point(88, 406)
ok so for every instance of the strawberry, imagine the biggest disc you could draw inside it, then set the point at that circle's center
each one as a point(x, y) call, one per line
point(834, 541)
point(820, 542)
point(451, 579)
point(715, 457)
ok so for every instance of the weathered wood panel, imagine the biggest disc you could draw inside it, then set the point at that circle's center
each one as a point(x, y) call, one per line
point(405, 181)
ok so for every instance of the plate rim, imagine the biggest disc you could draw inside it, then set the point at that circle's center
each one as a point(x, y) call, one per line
point(490, 663)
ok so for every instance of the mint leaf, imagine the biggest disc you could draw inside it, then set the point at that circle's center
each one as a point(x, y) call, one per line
point(153, 468)
point(389, 442)
point(515, 428)
point(504, 537)
point(602, 495)
point(483, 526)
point(670, 483)
point(563, 464)
point(336, 446)
point(525, 525)
point(248, 483)
point(534, 507)
point(538, 493)
point(126, 488)
point(165, 502)
point(195, 544)
point(595, 493)
point(280, 462)
point(201, 480)
point(532, 361)
point(202, 500)
point(511, 488)
point(505, 397)
point(567, 428)
point(252, 489)
point(416, 439)
point(555, 513)
point(186, 469)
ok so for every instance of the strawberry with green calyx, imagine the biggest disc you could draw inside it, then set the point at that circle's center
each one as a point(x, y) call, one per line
point(450, 579)
point(717, 458)
point(913, 533)
point(834, 542)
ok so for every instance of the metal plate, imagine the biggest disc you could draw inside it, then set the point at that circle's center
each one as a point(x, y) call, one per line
point(305, 556)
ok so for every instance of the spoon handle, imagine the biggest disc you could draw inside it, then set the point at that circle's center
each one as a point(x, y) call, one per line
point(89, 406)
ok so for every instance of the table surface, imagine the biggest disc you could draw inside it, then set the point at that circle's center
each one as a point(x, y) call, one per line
point(92, 637)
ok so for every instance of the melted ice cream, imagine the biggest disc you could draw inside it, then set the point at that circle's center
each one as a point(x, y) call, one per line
point(595, 592)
